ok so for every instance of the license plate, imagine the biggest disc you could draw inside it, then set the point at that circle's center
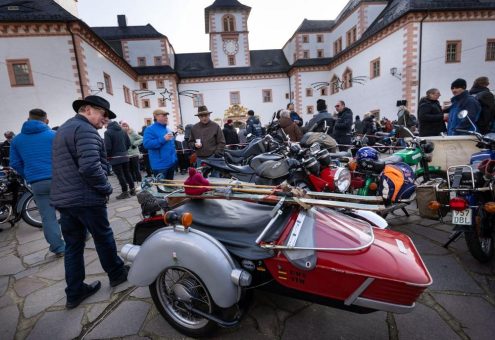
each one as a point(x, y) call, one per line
point(463, 217)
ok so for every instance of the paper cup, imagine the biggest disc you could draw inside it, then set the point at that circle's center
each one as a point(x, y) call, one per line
point(198, 141)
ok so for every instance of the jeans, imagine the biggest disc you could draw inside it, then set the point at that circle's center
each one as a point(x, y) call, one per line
point(75, 221)
point(124, 175)
point(134, 168)
point(167, 173)
point(51, 228)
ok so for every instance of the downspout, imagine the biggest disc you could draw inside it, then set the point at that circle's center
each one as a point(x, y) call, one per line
point(420, 58)
point(77, 60)
point(180, 105)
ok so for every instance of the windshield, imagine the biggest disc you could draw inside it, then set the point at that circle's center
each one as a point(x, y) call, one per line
point(326, 229)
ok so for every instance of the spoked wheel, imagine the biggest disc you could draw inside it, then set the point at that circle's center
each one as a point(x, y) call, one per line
point(174, 292)
point(30, 213)
point(479, 244)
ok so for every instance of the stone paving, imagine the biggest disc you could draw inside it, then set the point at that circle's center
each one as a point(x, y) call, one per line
point(460, 304)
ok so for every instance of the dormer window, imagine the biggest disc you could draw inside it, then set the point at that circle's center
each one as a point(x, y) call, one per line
point(228, 23)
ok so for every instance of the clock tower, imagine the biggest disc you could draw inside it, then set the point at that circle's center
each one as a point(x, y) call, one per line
point(226, 23)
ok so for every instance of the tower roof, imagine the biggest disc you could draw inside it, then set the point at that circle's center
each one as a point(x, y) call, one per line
point(223, 5)
point(39, 10)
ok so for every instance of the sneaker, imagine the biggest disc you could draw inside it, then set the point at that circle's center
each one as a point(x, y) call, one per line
point(123, 195)
point(90, 290)
point(122, 278)
point(60, 254)
point(132, 192)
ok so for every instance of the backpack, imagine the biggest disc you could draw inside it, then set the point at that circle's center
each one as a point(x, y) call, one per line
point(487, 113)
point(396, 182)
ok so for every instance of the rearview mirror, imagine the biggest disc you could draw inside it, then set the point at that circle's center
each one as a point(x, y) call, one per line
point(462, 114)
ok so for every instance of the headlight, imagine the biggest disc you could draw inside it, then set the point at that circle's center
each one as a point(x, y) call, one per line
point(342, 179)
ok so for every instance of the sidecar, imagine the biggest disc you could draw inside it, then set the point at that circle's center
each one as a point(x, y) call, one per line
point(199, 273)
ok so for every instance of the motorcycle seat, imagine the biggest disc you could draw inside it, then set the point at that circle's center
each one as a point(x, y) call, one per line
point(235, 153)
point(236, 224)
point(393, 159)
point(340, 154)
point(242, 169)
point(232, 159)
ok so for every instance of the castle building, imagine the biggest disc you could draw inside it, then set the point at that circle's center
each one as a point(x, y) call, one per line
point(373, 54)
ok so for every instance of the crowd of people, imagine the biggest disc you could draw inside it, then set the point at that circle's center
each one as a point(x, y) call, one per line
point(68, 169)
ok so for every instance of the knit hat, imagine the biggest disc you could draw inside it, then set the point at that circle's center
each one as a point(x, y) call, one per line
point(321, 105)
point(459, 83)
point(251, 112)
point(195, 178)
point(229, 121)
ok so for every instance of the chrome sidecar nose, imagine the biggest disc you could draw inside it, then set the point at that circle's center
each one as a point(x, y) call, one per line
point(129, 252)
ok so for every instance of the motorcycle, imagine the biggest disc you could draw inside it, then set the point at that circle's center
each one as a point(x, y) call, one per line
point(16, 200)
point(473, 206)
point(203, 258)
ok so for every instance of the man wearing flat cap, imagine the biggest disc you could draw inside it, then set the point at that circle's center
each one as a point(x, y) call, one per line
point(159, 140)
point(462, 100)
point(206, 136)
point(80, 191)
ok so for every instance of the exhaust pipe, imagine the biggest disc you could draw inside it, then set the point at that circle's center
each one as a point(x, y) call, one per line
point(129, 252)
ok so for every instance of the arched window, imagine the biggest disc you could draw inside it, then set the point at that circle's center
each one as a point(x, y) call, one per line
point(347, 78)
point(228, 23)
point(334, 84)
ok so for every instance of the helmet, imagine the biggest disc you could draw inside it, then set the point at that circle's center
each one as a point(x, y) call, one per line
point(366, 153)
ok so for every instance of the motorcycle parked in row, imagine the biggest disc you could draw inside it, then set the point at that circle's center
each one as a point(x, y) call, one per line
point(203, 258)
point(473, 206)
point(16, 200)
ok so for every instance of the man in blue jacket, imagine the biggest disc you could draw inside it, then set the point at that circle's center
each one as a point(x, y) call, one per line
point(31, 157)
point(159, 140)
point(462, 100)
point(80, 191)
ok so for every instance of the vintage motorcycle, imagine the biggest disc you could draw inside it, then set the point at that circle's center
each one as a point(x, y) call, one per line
point(201, 259)
point(473, 206)
point(16, 200)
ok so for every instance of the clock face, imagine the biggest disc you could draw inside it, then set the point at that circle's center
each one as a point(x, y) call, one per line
point(230, 47)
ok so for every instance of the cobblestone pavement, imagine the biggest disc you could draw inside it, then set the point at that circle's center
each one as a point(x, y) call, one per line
point(460, 304)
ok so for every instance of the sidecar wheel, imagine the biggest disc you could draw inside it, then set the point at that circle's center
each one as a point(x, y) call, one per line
point(173, 291)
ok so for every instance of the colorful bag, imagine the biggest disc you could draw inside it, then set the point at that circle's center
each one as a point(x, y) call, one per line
point(396, 182)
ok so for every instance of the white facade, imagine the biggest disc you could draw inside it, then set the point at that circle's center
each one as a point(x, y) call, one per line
point(149, 49)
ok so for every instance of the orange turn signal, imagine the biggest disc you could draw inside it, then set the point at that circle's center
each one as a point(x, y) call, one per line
point(352, 165)
point(434, 205)
point(186, 219)
point(373, 186)
point(489, 207)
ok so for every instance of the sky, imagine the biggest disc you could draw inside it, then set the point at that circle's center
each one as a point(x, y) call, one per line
point(271, 23)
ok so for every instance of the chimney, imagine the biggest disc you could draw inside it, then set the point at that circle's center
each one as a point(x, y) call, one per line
point(121, 20)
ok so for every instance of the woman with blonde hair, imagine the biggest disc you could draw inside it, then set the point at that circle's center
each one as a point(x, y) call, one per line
point(133, 151)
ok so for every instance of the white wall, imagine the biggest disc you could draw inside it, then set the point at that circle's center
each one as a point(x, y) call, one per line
point(54, 87)
point(216, 96)
point(436, 73)
point(144, 48)
point(343, 27)
point(289, 50)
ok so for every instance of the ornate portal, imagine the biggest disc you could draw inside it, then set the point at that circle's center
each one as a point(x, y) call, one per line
point(236, 112)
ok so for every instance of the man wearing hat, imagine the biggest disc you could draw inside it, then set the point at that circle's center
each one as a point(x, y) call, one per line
point(230, 134)
point(31, 157)
point(159, 140)
point(321, 121)
point(206, 136)
point(462, 100)
point(80, 191)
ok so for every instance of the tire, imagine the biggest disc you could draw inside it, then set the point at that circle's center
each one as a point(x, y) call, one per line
point(177, 280)
point(30, 213)
point(481, 247)
point(440, 174)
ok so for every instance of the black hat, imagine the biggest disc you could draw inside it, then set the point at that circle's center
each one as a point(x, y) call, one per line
point(94, 101)
point(459, 83)
point(202, 110)
point(321, 105)
point(251, 112)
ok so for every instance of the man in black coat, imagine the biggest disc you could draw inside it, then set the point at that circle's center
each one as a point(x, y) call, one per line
point(230, 133)
point(80, 191)
point(430, 114)
point(117, 143)
point(322, 121)
point(343, 125)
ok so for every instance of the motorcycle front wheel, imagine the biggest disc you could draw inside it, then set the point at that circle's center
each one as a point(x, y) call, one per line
point(480, 246)
point(30, 213)
point(174, 291)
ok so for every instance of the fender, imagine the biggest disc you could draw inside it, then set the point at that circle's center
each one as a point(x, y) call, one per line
point(20, 202)
point(433, 169)
point(191, 249)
